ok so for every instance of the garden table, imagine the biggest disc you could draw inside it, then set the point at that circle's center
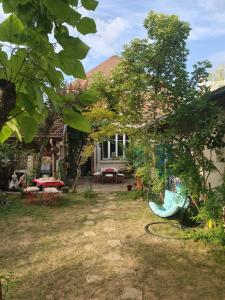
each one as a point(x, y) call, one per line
point(48, 183)
point(109, 171)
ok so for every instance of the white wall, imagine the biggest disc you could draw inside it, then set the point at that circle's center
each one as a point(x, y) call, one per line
point(98, 163)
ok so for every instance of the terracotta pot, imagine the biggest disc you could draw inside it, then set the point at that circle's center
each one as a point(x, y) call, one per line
point(139, 184)
point(129, 187)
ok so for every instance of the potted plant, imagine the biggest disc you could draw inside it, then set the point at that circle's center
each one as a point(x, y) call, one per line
point(138, 175)
point(129, 187)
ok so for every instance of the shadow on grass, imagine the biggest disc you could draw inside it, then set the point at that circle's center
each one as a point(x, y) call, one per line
point(20, 208)
point(174, 272)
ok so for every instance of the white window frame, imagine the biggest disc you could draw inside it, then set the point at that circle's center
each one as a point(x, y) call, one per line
point(116, 149)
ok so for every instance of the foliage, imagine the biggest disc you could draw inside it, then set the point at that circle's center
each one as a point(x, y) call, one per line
point(7, 154)
point(211, 211)
point(6, 283)
point(166, 106)
point(32, 67)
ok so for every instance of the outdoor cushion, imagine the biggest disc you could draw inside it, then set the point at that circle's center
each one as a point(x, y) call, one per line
point(51, 190)
point(161, 211)
point(109, 170)
point(121, 175)
point(97, 173)
point(173, 202)
point(108, 175)
point(31, 189)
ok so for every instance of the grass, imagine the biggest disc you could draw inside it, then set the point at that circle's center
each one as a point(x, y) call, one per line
point(45, 247)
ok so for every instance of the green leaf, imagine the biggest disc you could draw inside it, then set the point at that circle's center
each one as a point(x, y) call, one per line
point(89, 4)
point(76, 120)
point(13, 125)
point(63, 11)
point(86, 25)
point(29, 128)
point(52, 94)
point(10, 5)
point(5, 133)
point(73, 2)
point(3, 59)
point(88, 97)
point(25, 101)
point(55, 77)
point(72, 67)
point(17, 63)
point(73, 47)
point(10, 29)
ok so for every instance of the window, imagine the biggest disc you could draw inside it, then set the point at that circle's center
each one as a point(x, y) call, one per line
point(114, 148)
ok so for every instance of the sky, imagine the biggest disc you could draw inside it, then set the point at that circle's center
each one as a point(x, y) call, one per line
point(120, 21)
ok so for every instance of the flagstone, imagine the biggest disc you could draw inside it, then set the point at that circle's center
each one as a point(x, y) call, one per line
point(89, 223)
point(89, 247)
point(89, 233)
point(95, 210)
point(132, 293)
point(93, 278)
point(113, 243)
point(109, 229)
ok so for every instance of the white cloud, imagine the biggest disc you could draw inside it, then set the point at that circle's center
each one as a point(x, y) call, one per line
point(198, 32)
point(218, 58)
point(106, 41)
point(212, 5)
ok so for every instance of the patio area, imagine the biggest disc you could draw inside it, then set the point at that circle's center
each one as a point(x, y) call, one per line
point(88, 182)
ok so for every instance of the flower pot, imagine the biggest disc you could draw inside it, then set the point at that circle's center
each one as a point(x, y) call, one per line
point(129, 187)
point(139, 184)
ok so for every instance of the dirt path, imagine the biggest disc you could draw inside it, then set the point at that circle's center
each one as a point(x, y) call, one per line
point(97, 250)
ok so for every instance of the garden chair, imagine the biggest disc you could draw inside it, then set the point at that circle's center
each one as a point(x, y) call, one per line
point(31, 193)
point(50, 195)
point(98, 177)
point(173, 203)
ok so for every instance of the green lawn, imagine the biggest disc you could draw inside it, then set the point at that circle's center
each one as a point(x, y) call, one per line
point(68, 251)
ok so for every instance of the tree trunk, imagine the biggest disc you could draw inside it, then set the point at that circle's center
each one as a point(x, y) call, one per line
point(45, 138)
point(7, 100)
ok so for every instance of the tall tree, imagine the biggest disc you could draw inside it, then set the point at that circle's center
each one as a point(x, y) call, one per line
point(36, 51)
point(153, 89)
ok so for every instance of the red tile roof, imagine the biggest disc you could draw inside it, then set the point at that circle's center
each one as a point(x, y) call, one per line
point(105, 68)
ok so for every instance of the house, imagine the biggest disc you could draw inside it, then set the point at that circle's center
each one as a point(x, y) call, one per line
point(110, 153)
point(63, 143)
point(218, 155)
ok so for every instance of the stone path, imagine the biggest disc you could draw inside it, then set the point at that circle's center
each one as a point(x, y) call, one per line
point(105, 227)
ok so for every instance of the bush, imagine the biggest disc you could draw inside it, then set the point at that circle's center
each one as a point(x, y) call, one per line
point(210, 213)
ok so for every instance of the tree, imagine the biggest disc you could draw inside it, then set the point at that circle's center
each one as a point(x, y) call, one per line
point(32, 66)
point(168, 108)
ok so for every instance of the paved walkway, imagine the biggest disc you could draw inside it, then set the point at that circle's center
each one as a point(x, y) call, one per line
point(86, 182)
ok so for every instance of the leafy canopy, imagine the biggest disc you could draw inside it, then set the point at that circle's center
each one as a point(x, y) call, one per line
point(36, 50)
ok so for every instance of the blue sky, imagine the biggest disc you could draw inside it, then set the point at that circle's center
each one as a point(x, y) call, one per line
point(119, 21)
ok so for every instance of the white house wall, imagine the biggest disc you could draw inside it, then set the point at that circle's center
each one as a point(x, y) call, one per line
point(98, 163)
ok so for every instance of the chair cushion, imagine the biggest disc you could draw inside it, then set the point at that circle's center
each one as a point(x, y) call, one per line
point(51, 190)
point(108, 175)
point(31, 189)
point(97, 174)
point(109, 170)
point(120, 175)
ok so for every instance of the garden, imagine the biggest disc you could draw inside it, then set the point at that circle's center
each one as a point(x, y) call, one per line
point(164, 237)
point(96, 248)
